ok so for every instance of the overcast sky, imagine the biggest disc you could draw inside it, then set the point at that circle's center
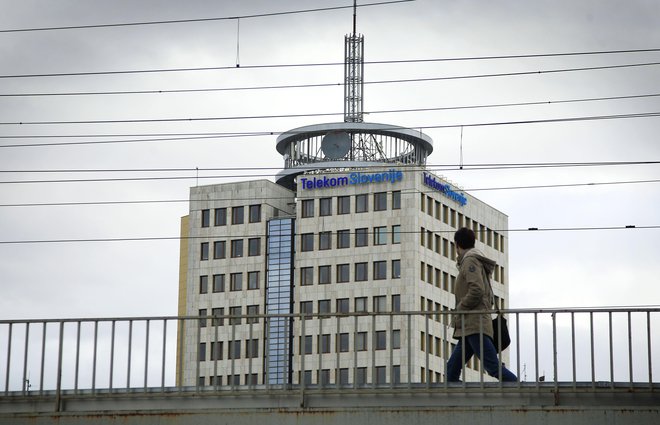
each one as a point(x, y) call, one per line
point(140, 278)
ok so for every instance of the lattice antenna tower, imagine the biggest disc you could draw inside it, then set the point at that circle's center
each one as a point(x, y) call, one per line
point(353, 70)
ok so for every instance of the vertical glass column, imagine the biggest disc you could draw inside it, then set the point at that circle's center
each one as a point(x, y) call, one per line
point(279, 300)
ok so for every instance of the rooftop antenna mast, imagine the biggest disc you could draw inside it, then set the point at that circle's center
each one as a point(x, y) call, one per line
point(353, 70)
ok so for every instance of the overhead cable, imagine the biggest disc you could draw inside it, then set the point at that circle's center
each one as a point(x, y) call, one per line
point(178, 238)
point(318, 85)
point(300, 65)
point(271, 133)
point(182, 21)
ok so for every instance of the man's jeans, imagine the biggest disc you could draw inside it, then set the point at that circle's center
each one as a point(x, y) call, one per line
point(490, 360)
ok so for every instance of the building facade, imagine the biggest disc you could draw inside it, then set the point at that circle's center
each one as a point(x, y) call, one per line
point(330, 263)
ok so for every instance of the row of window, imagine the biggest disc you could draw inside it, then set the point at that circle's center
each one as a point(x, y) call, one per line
point(325, 205)
point(342, 342)
point(430, 305)
point(342, 272)
point(234, 315)
point(457, 220)
point(380, 236)
point(218, 282)
point(233, 350)
point(438, 278)
point(237, 215)
point(359, 376)
point(323, 377)
point(236, 249)
point(360, 305)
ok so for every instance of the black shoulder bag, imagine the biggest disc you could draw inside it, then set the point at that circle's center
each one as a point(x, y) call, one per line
point(501, 337)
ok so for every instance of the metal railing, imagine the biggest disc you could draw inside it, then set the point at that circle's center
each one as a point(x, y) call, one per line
point(589, 348)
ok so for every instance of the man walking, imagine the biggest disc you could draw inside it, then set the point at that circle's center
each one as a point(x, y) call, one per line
point(473, 291)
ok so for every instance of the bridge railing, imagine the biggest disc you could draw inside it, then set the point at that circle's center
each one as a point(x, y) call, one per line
point(590, 348)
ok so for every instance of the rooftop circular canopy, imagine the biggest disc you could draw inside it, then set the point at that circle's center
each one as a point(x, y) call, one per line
point(349, 144)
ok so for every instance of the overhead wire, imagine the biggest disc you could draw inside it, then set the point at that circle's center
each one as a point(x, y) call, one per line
point(319, 85)
point(194, 20)
point(227, 237)
point(292, 132)
point(321, 64)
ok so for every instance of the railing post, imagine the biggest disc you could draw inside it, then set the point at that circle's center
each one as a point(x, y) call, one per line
point(25, 358)
point(162, 382)
point(8, 358)
point(58, 388)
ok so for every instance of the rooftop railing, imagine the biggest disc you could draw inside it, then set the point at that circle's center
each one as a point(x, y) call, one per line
point(573, 348)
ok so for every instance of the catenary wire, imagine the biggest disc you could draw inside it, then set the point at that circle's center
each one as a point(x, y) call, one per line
point(403, 167)
point(318, 85)
point(406, 192)
point(227, 237)
point(193, 20)
point(386, 127)
point(299, 65)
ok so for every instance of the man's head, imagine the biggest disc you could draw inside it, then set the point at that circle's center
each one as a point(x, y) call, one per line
point(464, 238)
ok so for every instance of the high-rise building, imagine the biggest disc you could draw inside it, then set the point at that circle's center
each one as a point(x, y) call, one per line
point(356, 228)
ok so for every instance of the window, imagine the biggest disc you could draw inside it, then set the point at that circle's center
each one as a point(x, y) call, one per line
point(219, 249)
point(324, 343)
point(396, 374)
point(233, 379)
point(324, 377)
point(217, 314)
point(251, 348)
point(306, 307)
point(324, 306)
point(381, 375)
point(380, 235)
point(253, 280)
point(306, 276)
point(325, 206)
point(307, 346)
point(206, 218)
point(361, 376)
point(307, 208)
point(361, 203)
point(203, 284)
point(308, 377)
point(202, 317)
point(237, 248)
point(216, 351)
point(343, 205)
point(361, 237)
point(360, 304)
point(220, 217)
point(380, 304)
point(396, 200)
point(342, 305)
point(307, 242)
point(237, 215)
point(201, 354)
point(254, 213)
point(361, 273)
point(361, 341)
point(343, 376)
point(251, 379)
point(381, 340)
point(216, 380)
point(380, 270)
point(324, 240)
point(396, 303)
point(342, 273)
point(396, 233)
point(254, 247)
point(396, 269)
point(342, 342)
point(204, 251)
point(234, 351)
point(380, 201)
point(218, 283)
point(324, 275)
point(236, 282)
point(343, 239)
point(235, 313)
point(396, 339)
